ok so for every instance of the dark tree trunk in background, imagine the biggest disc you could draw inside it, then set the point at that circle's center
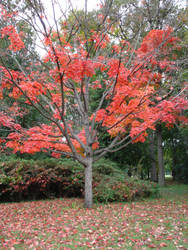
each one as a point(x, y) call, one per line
point(161, 170)
point(153, 157)
point(174, 162)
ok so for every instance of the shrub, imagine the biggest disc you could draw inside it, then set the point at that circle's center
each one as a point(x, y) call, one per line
point(107, 167)
point(123, 189)
point(29, 179)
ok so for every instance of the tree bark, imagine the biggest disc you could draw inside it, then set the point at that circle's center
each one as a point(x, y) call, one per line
point(88, 185)
point(161, 170)
point(153, 157)
point(174, 163)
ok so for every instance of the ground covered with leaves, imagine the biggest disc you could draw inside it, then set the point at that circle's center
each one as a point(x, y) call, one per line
point(65, 224)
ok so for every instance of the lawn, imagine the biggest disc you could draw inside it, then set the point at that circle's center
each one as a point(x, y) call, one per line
point(64, 224)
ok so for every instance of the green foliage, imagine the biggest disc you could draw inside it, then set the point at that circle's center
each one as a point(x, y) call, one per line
point(176, 155)
point(133, 159)
point(123, 188)
point(22, 179)
point(107, 167)
point(28, 179)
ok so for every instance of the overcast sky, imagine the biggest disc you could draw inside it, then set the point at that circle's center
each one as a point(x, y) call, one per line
point(92, 4)
point(76, 4)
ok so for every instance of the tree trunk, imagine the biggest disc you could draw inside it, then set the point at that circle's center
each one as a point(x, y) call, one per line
point(152, 157)
point(174, 163)
point(161, 170)
point(88, 185)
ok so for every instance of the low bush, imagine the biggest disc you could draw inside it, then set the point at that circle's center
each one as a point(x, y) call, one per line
point(110, 189)
point(112, 184)
point(29, 179)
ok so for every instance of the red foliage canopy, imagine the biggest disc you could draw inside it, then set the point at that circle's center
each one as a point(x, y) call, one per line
point(139, 94)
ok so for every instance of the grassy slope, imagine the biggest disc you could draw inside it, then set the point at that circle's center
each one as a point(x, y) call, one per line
point(64, 224)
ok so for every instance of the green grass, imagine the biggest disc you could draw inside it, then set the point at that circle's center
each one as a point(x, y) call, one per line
point(63, 223)
point(176, 191)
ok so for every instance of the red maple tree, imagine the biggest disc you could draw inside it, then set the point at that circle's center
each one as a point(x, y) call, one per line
point(137, 92)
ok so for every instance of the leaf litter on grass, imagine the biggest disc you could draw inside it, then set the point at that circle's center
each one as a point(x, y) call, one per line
point(64, 224)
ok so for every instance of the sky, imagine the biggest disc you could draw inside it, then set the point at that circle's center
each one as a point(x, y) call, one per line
point(76, 4)
point(92, 4)
point(64, 4)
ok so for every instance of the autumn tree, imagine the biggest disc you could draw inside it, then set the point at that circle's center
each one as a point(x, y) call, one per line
point(59, 87)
